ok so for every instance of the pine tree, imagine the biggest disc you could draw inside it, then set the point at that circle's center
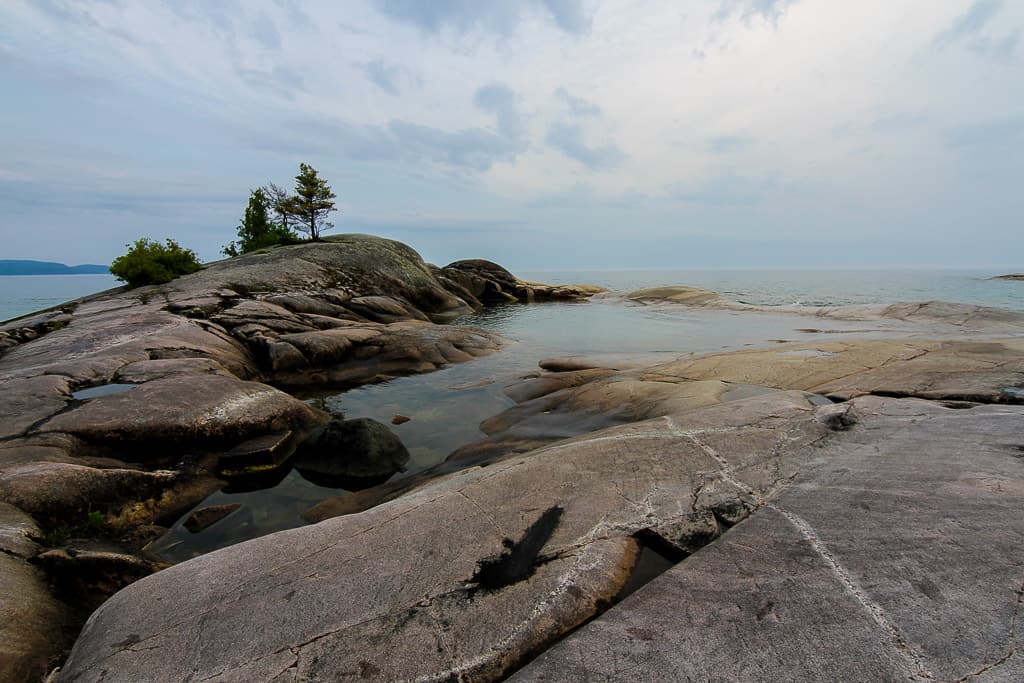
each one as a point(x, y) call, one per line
point(311, 203)
point(255, 231)
point(279, 199)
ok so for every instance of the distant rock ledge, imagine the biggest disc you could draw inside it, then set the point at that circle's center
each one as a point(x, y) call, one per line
point(1009, 276)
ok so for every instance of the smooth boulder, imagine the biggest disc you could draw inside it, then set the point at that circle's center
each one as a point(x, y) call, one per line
point(352, 454)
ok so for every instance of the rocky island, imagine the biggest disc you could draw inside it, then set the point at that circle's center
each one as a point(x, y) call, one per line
point(842, 509)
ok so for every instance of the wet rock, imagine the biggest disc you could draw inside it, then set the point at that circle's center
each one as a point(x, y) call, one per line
point(205, 517)
point(352, 454)
point(400, 419)
point(267, 452)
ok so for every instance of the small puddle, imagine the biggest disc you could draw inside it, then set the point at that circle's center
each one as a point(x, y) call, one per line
point(101, 390)
point(1015, 392)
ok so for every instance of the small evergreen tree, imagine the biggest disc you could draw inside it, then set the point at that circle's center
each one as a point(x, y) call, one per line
point(279, 202)
point(148, 262)
point(311, 203)
point(255, 231)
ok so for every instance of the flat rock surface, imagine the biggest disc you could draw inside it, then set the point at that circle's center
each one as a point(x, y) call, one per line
point(896, 556)
point(951, 369)
point(450, 580)
point(172, 411)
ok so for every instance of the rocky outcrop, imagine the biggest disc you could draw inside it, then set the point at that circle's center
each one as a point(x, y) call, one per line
point(452, 580)
point(128, 407)
point(487, 282)
point(812, 459)
point(876, 538)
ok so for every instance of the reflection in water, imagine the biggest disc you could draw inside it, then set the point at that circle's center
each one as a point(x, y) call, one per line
point(446, 407)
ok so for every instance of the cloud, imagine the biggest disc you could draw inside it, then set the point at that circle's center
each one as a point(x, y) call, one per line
point(266, 33)
point(578, 106)
point(385, 76)
point(970, 22)
point(569, 15)
point(500, 100)
point(998, 133)
point(279, 79)
point(66, 12)
point(502, 18)
point(728, 144)
point(218, 14)
point(999, 50)
point(568, 139)
point(296, 15)
point(969, 28)
point(473, 148)
point(768, 10)
point(67, 79)
point(722, 190)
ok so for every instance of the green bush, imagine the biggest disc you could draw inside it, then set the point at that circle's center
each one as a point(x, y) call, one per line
point(148, 262)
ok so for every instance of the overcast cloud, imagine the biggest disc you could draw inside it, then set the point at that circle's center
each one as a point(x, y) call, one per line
point(542, 133)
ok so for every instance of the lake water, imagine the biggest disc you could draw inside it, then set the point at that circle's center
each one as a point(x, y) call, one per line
point(21, 294)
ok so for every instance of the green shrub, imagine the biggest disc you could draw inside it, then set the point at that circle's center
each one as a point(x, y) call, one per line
point(148, 262)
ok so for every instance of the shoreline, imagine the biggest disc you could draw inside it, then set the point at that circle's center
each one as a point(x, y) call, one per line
point(204, 352)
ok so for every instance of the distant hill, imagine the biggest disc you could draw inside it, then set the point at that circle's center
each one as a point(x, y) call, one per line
point(27, 267)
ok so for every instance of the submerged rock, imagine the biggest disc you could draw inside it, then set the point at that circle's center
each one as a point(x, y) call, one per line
point(352, 454)
point(205, 517)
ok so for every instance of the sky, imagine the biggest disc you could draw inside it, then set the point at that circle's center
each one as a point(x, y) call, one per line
point(541, 134)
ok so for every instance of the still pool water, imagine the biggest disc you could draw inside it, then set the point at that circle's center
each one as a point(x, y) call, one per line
point(447, 406)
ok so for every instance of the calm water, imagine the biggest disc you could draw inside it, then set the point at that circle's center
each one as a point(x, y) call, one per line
point(21, 294)
point(808, 287)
